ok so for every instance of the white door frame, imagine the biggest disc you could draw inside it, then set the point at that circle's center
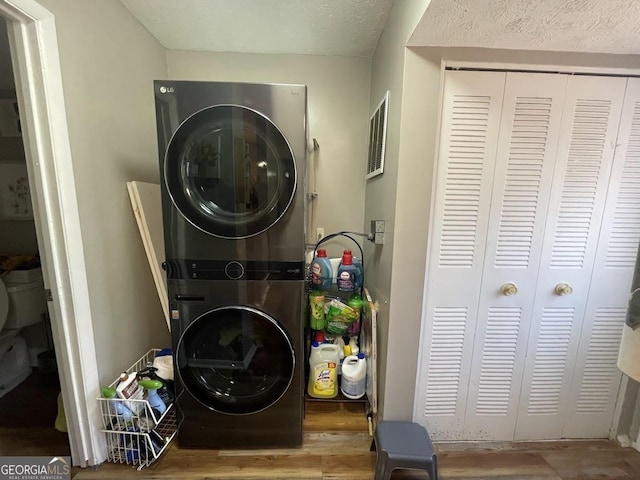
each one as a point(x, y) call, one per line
point(36, 64)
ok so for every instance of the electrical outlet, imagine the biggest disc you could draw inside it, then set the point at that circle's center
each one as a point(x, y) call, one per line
point(377, 227)
point(319, 233)
point(378, 238)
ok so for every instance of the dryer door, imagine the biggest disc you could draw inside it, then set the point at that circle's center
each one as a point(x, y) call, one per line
point(230, 171)
point(235, 360)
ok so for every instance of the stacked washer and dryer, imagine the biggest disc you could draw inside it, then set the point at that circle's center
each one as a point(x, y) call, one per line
point(232, 165)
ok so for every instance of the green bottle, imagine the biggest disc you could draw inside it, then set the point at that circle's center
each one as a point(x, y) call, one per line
point(355, 302)
point(316, 317)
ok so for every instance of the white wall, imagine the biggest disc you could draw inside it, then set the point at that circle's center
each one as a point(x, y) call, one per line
point(108, 63)
point(17, 237)
point(338, 106)
point(392, 272)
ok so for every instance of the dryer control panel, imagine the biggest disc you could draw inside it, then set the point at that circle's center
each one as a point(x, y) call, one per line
point(183, 269)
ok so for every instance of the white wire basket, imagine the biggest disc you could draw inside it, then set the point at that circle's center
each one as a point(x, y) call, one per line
point(139, 439)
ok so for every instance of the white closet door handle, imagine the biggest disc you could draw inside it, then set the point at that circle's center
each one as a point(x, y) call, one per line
point(509, 288)
point(563, 289)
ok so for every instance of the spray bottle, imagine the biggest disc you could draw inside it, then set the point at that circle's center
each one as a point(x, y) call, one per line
point(121, 415)
point(153, 399)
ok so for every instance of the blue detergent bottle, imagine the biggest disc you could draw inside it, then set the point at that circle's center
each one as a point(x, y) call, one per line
point(359, 274)
point(346, 273)
point(321, 271)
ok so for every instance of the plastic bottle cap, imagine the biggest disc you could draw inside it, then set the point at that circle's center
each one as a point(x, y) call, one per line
point(321, 252)
point(124, 376)
point(108, 392)
point(360, 355)
point(315, 344)
point(347, 259)
point(150, 384)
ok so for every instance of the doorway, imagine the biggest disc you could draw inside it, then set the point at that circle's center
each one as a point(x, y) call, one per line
point(34, 49)
point(33, 403)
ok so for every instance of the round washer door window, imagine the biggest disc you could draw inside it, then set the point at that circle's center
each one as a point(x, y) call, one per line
point(235, 360)
point(230, 171)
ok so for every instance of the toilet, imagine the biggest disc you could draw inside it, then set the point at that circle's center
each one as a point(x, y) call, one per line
point(22, 303)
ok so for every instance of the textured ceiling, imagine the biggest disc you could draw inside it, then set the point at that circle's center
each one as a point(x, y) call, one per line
point(320, 27)
point(597, 26)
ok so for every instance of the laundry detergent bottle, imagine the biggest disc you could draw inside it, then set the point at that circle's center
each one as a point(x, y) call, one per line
point(359, 276)
point(321, 271)
point(346, 273)
point(323, 371)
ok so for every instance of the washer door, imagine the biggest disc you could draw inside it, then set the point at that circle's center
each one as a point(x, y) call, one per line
point(235, 360)
point(230, 171)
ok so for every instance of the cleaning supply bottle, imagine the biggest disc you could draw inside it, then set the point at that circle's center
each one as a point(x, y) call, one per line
point(153, 399)
point(165, 392)
point(359, 278)
point(353, 346)
point(321, 271)
point(346, 273)
point(129, 390)
point(316, 314)
point(120, 415)
point(356, 303)
point(354, 376)
point(323, 371)
point(340, 342)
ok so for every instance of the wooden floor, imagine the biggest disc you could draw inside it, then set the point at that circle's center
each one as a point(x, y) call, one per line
point(27, 418)
point(336, 446)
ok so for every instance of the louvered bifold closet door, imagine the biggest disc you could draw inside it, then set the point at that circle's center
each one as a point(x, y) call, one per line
point(470, 119)
point(597, 378)
point(526, 154)
point(588, 134)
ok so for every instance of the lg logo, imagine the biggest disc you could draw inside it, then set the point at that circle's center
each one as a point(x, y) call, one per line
point(166, 89)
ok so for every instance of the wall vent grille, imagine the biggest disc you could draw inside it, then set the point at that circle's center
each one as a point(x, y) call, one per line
point(377, 138)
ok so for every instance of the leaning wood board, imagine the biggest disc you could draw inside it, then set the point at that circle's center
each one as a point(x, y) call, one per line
point(146, 204)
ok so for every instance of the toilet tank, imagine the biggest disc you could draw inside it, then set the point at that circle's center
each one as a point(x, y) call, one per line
point(27, 303)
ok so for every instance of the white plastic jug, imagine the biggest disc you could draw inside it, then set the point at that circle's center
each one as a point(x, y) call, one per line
point(354, 376)
point(323, 371)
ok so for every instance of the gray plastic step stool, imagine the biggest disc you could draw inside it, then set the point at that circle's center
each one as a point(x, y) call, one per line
point(403, 445)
